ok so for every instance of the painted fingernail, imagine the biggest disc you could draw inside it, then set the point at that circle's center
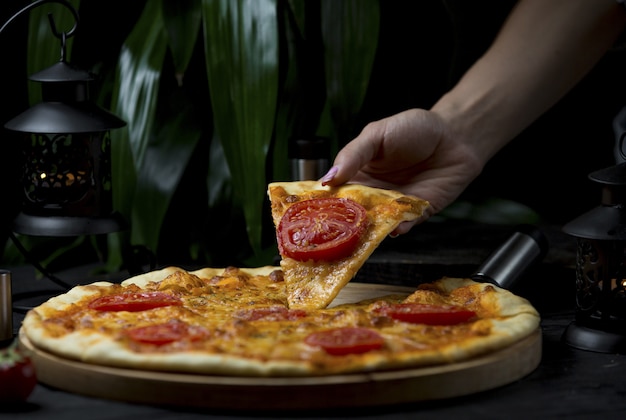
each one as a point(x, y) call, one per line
point(329, 175)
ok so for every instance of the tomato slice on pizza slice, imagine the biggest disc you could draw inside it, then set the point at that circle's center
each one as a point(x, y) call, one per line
point(346, 340)
point(321, 229)
point(134, 301)
point(425, 313)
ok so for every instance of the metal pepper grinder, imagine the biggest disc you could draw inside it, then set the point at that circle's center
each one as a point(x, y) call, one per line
point(600, 318)
point(309, 157)
point(526, 246)
point(6, 308)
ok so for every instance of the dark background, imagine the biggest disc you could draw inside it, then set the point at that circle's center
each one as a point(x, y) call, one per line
point(425, 46)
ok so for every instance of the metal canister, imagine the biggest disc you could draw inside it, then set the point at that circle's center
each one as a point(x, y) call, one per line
point(6, 307)
point(309, 157)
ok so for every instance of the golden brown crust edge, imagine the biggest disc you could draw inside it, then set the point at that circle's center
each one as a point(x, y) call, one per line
point(413, 207)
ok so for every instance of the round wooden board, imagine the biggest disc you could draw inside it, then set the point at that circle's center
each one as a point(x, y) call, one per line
point(256, 393)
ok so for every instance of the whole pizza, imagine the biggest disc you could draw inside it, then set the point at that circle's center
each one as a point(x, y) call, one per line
point(284, 321)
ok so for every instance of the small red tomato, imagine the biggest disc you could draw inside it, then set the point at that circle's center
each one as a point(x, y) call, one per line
point(17, 375)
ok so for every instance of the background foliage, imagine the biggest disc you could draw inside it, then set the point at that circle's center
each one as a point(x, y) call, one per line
point(213, 91)
point(190, 176)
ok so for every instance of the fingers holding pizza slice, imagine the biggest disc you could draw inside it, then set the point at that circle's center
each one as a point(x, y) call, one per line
point(325, 234)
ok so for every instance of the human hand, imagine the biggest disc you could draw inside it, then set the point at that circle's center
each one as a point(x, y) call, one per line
point(415, 152)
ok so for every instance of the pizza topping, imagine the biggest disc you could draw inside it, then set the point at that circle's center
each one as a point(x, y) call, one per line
point(134, 301)
point(346, 340)
point(277, 276)
point(244, 330)
point(425, 313)
point(271, 313)
point(165, 333)
point(321, 229)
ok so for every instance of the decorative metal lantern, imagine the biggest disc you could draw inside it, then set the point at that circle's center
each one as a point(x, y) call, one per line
point(67, 168)
point(600, 320)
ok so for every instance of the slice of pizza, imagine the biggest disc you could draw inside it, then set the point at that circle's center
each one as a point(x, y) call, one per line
point(325, 234)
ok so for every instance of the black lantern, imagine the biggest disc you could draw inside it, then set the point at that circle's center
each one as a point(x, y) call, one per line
point(67, 169)
point(600, 320)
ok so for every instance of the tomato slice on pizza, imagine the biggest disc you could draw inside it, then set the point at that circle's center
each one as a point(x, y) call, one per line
point(325, 234)
point(134, 301)
point(346, 340)
point(425, 313)
point(166, 332)
point(321, 229)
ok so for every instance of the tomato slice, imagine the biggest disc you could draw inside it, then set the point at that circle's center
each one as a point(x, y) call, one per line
point(134, 301)
point(423, 313)
point(165, 333)
point(321, 229)
point(346, 340)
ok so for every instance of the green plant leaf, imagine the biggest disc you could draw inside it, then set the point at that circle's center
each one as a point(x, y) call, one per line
point(165, 161)
point(135, 100)
point(302, 92)
point(350, 32)
point(241, 43)
point(182, 22)
point(138, 76)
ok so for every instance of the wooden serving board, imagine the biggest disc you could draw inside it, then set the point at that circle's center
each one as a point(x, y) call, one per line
point(251, 393)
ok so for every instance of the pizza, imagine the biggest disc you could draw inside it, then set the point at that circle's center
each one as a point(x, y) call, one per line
point(286, 321)
point(239, 322)
point(325, 234)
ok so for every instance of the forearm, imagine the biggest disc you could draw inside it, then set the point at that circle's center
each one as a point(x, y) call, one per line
point(542, 51)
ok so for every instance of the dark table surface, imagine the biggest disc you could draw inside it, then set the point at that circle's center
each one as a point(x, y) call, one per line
point(568, 383)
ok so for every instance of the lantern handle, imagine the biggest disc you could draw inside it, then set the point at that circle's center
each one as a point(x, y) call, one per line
point(37, 3)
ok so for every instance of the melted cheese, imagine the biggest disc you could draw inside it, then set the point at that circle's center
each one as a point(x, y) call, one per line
point(236, 345)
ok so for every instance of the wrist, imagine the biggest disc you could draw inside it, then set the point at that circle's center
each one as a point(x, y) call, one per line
point(471, 120)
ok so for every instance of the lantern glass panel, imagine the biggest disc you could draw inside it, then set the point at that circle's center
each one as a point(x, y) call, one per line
point(67, 174)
